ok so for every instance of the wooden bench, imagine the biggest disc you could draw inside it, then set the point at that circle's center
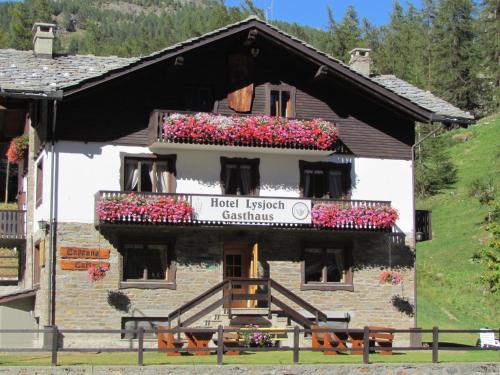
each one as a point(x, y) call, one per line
point(382, 338)
point(328, 340)
point(166, 340)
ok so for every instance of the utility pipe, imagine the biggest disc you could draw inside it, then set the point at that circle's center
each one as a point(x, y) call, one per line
point(52, 220)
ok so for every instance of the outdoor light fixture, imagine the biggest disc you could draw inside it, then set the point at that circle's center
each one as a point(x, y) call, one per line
point(255, 52)
point(43, 225)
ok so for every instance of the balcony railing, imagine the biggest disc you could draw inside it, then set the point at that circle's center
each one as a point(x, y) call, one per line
point(119, 207)
point(12, 224)
point(222, 132)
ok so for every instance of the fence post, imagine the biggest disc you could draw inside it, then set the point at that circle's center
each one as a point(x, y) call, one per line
point(140, 347)
point(296, 336)
point(366, 345)
point(220, 344)
point(55, 334)
point(435, 344)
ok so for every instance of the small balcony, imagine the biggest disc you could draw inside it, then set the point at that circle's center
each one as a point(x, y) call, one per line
point(12, 225)
point(129, 208)
point(257, 134)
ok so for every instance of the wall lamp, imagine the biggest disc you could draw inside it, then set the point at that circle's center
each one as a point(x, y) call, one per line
point(43, 225)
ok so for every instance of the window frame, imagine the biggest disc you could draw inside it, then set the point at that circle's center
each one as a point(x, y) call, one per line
point(170, 281)
point(344, 168)
point(281, 87)
point(170, 159)
point(346, 285)
point(254, 165)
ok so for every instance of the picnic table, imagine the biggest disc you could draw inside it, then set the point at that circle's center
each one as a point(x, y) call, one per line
point(198, 340)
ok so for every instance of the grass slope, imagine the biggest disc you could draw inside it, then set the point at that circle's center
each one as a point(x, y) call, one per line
point(449, 292)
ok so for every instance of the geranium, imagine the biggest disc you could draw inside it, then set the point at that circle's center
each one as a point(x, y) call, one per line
point(336, 215)
point(257, 339)
point(390, 277)
point(96, 272)
point(265, 131)
point(17, 146)
point(150, 209)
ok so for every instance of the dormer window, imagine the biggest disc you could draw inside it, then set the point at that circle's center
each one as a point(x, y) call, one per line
point(281, 101)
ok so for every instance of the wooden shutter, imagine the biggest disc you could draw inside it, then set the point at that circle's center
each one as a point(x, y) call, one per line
point(241, 85)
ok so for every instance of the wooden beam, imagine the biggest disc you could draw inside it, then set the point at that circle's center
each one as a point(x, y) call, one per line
point(179, 61)
point(251, 37)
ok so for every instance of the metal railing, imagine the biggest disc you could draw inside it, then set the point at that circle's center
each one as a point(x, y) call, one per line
point(12, 224)
point(345, 203)
point(366, 348)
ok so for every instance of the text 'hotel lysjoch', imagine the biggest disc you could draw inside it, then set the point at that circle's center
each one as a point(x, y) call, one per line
point(240, 154)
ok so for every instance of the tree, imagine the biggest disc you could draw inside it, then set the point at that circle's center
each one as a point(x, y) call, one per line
point(454, 57)
point(345, 35)
point(23, 16)
point(434, 169)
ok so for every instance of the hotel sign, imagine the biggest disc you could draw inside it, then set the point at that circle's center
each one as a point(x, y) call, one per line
point(251, 210)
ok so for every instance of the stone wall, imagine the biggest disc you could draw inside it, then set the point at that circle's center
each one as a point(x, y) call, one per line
point(375, 369)
point(81, 303)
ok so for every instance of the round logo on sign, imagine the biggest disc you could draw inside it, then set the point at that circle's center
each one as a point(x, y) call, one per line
point(300, 211)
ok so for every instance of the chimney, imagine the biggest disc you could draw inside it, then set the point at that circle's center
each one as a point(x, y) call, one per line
point(361, 61)
point(43, 39)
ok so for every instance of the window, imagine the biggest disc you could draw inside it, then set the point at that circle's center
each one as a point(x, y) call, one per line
point(240, 176)
point(39, 182)
point(325, 180)
point(149, 174)
point(148, 265)
point(326, 268)
point(281, 101)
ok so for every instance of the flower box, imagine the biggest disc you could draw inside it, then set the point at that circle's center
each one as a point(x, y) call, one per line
point(151, 209)
point(17, 148)
point(336, 215)
point(256, 131)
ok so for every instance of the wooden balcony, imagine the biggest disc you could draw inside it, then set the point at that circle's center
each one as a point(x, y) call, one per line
point(119, 208)
point(13, 224)
point(160, 142)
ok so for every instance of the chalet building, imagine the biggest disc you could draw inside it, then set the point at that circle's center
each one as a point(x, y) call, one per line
point(242, 170)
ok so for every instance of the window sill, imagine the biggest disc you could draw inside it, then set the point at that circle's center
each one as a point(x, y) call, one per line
point(148, 285)
point(327, 286)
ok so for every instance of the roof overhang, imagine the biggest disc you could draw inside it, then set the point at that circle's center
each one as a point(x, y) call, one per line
point(29, 293)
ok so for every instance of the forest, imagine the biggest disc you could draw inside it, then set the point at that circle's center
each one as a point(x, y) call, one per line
point(450, 47)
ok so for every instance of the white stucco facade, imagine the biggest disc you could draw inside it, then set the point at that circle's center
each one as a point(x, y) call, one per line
point(85, 168)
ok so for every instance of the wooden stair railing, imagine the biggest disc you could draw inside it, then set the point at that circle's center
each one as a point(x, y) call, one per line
point(262, 296)
point(318, 314)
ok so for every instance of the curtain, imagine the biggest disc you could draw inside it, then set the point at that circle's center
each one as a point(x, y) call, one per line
point(229, 177)
point(131, 175)
point(245, 179)
point(335, 265)
point(163, 178)
point(335, 184)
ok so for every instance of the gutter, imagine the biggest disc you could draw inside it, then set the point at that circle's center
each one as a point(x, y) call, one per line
point(29, 94)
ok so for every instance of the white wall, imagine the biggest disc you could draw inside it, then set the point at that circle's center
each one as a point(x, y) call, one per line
point(85, 168)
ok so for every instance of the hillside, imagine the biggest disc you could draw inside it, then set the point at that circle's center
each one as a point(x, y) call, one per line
point(449, 292)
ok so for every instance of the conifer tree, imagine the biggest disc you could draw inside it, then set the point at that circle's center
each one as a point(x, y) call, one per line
point(454, 58)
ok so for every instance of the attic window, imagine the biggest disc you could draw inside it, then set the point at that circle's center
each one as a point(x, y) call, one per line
point(281, 101)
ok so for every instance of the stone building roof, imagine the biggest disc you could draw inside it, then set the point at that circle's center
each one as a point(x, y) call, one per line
point(22, 71)
point(424, 99)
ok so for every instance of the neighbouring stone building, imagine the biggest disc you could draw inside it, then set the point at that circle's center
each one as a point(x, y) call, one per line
point(243, 160)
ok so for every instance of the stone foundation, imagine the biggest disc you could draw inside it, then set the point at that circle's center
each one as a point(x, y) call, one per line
point(83, 304)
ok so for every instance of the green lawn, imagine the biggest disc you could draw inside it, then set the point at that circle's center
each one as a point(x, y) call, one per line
point(77, 359)
point(449, 292)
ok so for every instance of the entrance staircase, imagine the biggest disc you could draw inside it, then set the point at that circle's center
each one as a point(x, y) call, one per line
point(272, 305)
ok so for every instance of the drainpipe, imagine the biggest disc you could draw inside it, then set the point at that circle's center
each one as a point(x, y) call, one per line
point(414, 239)
point(52, 220)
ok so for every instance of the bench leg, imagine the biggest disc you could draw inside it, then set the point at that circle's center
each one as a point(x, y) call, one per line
point(385, 345)
point(357, 347)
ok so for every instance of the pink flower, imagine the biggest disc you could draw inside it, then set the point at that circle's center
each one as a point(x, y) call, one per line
point(336, 215)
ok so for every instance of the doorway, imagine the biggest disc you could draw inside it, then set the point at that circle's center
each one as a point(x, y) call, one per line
point(241, 261)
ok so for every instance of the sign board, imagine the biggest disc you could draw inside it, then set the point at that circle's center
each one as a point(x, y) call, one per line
point(84, 253)
point(80, 265)
point(251, 210)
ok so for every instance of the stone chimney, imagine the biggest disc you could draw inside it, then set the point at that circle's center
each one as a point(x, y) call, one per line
point(361, 61)
point(43, 39)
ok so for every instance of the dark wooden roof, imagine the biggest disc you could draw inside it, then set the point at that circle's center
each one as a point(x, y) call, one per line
point(387, 95)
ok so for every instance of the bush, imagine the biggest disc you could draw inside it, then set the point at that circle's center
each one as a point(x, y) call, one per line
point(483, 190)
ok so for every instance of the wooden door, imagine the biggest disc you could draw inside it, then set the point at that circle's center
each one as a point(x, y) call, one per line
point(237, 265)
